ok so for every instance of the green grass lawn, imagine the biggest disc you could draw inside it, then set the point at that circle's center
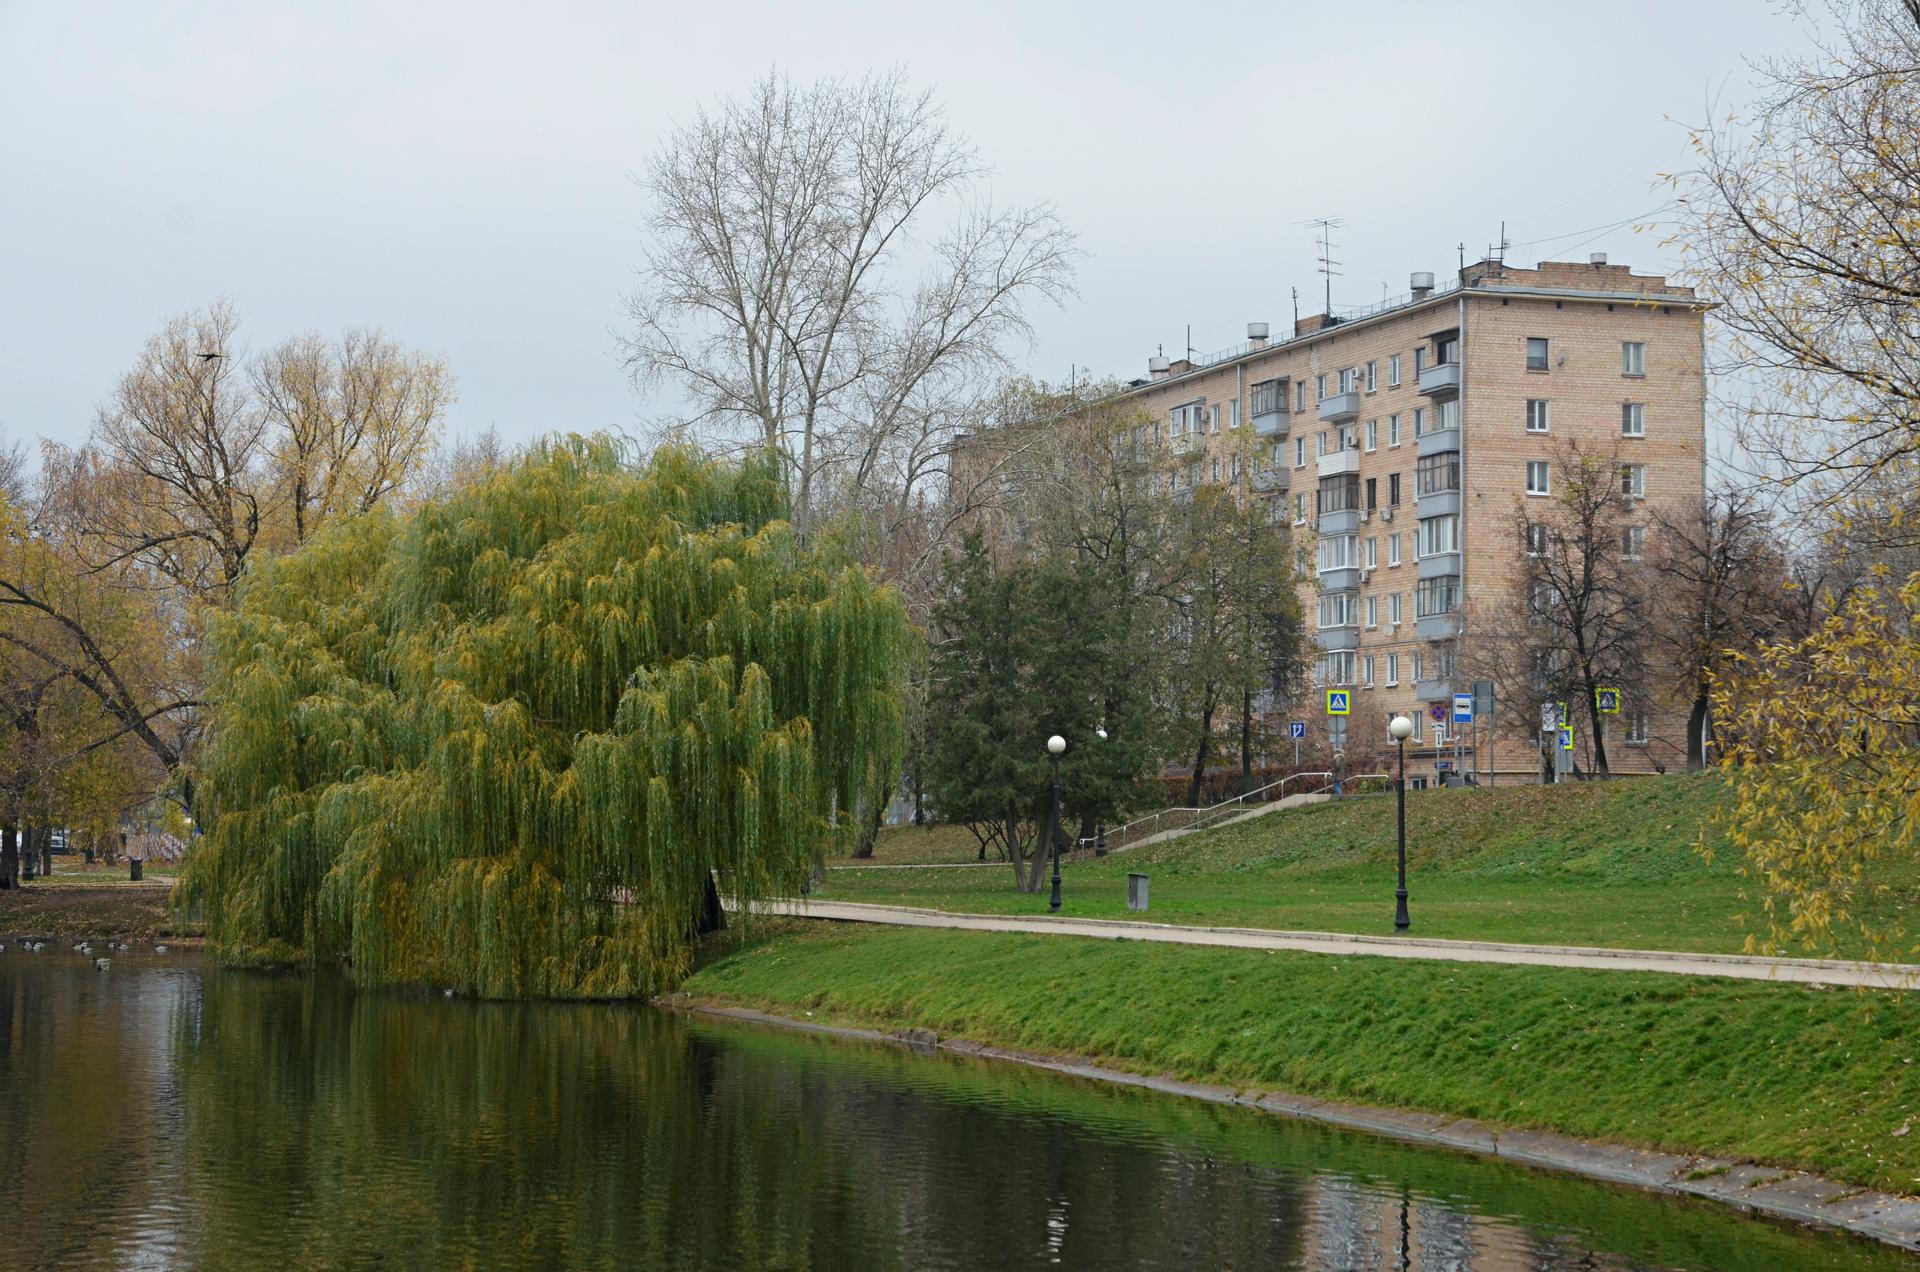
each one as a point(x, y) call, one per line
point(1820, 1079)
point(1579, 864)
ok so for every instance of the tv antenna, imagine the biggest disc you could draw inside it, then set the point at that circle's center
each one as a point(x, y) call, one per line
point(1329, 268)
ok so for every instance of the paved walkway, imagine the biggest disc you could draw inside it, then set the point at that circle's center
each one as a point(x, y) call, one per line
point(1805, 971)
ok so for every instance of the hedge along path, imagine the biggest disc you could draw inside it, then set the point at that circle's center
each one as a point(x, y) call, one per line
point(1798, 971)
point(446, 743)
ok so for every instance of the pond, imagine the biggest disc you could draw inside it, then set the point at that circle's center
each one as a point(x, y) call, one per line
point(163, 1114)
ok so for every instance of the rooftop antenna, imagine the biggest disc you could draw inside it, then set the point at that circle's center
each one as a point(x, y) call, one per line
point(1296, 309)
point(1329, 268)
point(1463, 255)
point(1189, 342)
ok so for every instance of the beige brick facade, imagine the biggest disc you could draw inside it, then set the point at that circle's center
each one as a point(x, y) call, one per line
point(1585, 313)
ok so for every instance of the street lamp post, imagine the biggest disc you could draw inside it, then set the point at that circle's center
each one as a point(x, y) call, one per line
point(1400, 729)
point(1100, 827)
point(1055, 745)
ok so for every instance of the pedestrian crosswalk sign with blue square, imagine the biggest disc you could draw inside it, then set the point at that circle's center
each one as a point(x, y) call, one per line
point(1296, 729)
point(1607, 701)
point(1337, 700)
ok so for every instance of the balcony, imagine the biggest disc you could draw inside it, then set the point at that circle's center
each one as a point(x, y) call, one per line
point(1337, 639)
point(1267, 480)
point(1438, 441)
point(1344, 579)
point(1437, 503)
point(1343, 522)
point(1340, 406)
point(1337, 462)
point(1437, 627)
point(1271, 423)
point(1440, 380)
point(1434, 691)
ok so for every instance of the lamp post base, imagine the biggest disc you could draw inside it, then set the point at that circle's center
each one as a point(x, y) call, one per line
point(1401, 922)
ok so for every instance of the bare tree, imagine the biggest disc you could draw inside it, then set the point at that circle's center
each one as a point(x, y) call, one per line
point(1800, 222)
point(1577, 623)
point(774, 291)
point(1720, 581)
point(351, 419)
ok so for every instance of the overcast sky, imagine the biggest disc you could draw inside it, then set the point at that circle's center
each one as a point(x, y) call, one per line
point(461, 174)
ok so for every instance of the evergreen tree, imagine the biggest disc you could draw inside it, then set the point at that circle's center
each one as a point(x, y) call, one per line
point(507, 742)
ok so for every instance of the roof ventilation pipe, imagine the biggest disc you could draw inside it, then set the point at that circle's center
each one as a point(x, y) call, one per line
point(1422, 284)
point(1257, 334)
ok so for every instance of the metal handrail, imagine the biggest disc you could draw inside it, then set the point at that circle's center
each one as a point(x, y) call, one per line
point(1200, 818)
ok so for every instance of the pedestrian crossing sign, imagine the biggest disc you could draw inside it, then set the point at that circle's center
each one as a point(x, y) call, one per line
point(1607, 701)
point(1337, 701)
point(1566, 737)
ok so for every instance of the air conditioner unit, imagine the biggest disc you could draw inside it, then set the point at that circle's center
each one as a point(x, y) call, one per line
point(1364, 574)
point(1386, 514)
point(1365, 513)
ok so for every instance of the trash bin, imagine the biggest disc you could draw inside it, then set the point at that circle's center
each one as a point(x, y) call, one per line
point(1136, 892)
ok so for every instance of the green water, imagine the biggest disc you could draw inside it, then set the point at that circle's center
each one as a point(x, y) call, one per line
point(161, 1114)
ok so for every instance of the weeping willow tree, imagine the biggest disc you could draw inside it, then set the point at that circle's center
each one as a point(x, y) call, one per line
point(507, 742)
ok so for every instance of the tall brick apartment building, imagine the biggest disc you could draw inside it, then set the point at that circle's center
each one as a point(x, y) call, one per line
point(1406, 437)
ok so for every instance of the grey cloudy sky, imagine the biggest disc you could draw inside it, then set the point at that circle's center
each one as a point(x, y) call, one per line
point(460, 174)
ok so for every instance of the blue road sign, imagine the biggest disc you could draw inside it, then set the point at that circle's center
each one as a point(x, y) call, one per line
point(1607, 701)
point(1337, 702)
point(1463, 708)
point(1296, 729)
point(1566, 737)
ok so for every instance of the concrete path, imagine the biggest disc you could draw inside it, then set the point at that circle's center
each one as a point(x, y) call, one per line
point(1804, 971)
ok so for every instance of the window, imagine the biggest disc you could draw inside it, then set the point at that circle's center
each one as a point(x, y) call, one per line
point(1319, 388)
point(1633, 480)
point(1339, 552)
point(1373, 611)
point(1300, 509)
point(1347, 379)
point(1419, 420)
point(1393, 430)
point(1373, 435)
point(1434, 597)
point(1633, 543)
point(1446, 349)
point(1299, 452)
point(1373, 552)
point(1393, 490)
point(1633, 419)
point(1418, 716)
point(1536, 415)
point(1536, 353)
point(1417, 669)
point(1373, 376)
point(1536, 539)
point(1436, 474)
point(1446, 416)
point(1393, 603)
point(1300, 562)
point(1537, 477)
point(1637, 726)
point(1320, 444)
point(1393, 370)
point(1233, 469)
point(1373, 485)
point(1339, 609)
point(1393, 669)
point(1439, 535)
point(1336, 669)
point(1393, 557)
point(1347, 439)
point(1216, 469)
point(1269, 397)
point(1366, 670)
point(1633, 357)
point(1300, 396)
point(1419, 360)
point(1183, 420)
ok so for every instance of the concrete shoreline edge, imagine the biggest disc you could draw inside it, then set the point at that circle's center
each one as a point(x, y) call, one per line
point(1774, 1192)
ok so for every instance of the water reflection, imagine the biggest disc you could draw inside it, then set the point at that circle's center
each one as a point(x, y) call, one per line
point(160, 1117)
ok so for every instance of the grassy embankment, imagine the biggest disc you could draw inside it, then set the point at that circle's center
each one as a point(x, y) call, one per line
point(1825, 1080)
point(1581, 864)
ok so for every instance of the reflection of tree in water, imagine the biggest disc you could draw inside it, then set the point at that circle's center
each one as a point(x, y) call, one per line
point(438, 1133)
point(246, 1121)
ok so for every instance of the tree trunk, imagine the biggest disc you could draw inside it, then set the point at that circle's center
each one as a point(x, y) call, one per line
point(712, 918)
point(1246, 741)
point(1014, 853)
point(9, 857)
point(1597, 721)
point(29, 859)
point(1697, 731)
point(46, 852)
point(1200, 757)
